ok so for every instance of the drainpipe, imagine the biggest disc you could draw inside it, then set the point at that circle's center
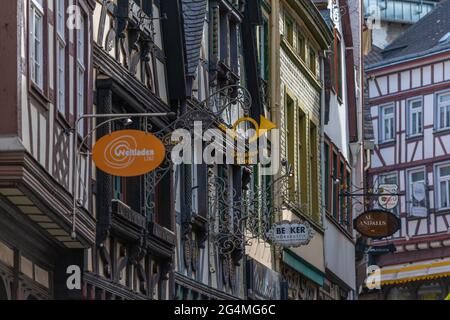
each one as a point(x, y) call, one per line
point(275, 94)
point(322, 130)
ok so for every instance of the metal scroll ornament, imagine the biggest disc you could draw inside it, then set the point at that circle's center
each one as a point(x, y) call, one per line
point(211, 112)
point(237, 221)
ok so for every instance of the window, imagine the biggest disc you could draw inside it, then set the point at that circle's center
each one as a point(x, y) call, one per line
point(327, 176)
point(60, 17)
point(145, 5)
point(61, 77)
point(160, 61)
point(348, 201)
point(118, 188)
point(36, 42)
point(443, 192)
point(312, 60)
point(61, 55)
point(417, 192)
point(81, 72)
point(301, 44)
point(289, 30)
point(332, 66)
point(225, 35)
point(314, 173)
point(342, 199)
point(338, 66)
point(415, 117)
point(443, 104)
point(335, 200)
point(390, 178)
point(263, 50)
point(387, 121)
point(291, 145)
point(303, 168)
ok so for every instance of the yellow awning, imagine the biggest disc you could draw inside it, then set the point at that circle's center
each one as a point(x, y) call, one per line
point(424, 270)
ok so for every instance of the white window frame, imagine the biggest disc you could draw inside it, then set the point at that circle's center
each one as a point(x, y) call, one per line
point(36, 43)
point(61, 18)
point(418, 112)
point(61, 55)
point(61, 77)
point(439, 180)
point(410, 183)
point(382, 136)
point(81, 71)
point(439, 106)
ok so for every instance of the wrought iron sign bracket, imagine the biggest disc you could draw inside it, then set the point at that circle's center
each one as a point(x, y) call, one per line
point(78, 203)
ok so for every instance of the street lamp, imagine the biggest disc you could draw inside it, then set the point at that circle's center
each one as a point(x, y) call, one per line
point(126, 118)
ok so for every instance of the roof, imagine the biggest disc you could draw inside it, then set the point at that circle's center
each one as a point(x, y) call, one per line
point(374, 56)
point(194, 12)
point(422, 38)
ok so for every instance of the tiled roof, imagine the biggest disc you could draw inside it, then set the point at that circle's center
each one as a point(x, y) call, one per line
point(194, 12)
point(374, 56)
point(421, 38)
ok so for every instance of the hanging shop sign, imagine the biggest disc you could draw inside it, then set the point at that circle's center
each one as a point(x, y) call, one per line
point(377, 224)
point(263, 283)
point(335, 12)
point(291, 234)
point(388, 199)
point(128, 153)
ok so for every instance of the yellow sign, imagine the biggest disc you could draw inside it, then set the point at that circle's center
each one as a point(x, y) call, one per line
point(448, 297)
point(264, 126)
point(128, 153)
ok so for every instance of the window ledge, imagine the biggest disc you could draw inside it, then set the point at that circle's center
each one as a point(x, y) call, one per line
point(442, 211)
point(413, 218)
point(342, 228)
point(39, 95)
point(62, 120)
point(441, 132)
point(388, 143)
point(414, 137)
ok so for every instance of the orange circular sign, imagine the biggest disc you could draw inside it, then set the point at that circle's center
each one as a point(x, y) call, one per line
point(128, 153)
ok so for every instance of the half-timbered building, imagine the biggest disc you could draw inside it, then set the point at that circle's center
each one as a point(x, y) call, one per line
point(409, 100)
point(214, 79)
point(47, 67)
point(133, 253)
